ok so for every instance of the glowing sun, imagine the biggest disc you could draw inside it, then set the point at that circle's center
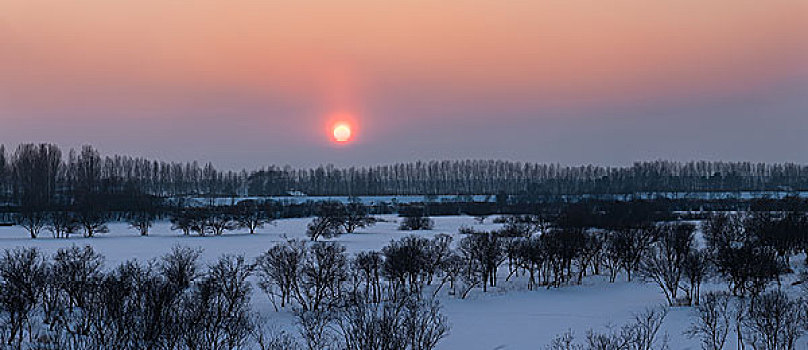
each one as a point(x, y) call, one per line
point(342, 132)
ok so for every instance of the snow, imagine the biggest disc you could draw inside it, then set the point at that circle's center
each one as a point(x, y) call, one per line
point(507, 317)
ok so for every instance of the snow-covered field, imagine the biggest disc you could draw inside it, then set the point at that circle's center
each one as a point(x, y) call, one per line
point(507, 317)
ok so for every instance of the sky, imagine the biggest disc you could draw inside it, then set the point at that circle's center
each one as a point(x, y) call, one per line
point(245, 83)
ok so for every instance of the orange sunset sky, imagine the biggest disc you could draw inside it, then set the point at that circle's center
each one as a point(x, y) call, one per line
point(248, 83)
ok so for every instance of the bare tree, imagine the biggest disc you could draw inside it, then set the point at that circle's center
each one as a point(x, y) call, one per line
point(530, 255)
point(564, 341)
point(183, 220)
point(180, 267)
point(363, 325)
point(748, 268)
point(562, 247)
point(62, 224)
point(627, 246)
point(143, 213)
point(415, 219)
point(323, 227)
point(132, 306)
point(90, 210)
point(640, 334)
point(712, 326)
point(484, 249)
point(521, 225)
point(22, 280)
point(774, 321)
point(216, 313)
point(4, 174)
point(76, 272)
point(200, 220)
point(722, 231)
point(745, 261)
point(695, 270)
point(356, 216)
point(274, 340)
point(645, 329)
point(35, 171)
point(425, 325)
point(405, 263)
point(314, 328)
point(407, 322)
point(32, 220)
point(663, 262)
point(92, 218)
point(250, 215)
point(322, 275)
point(278, 270)
point(221, 220)
point(439, 251)
point(369, 265)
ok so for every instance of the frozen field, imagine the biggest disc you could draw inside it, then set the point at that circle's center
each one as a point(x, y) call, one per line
point(507, 317)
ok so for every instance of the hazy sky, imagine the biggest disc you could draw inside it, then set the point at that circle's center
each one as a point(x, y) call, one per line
point(248, 83)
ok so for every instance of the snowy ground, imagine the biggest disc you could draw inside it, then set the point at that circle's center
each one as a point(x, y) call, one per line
point(509, 317)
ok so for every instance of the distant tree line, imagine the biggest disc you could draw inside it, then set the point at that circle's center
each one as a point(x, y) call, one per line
point(494, 176)
point(42, 173)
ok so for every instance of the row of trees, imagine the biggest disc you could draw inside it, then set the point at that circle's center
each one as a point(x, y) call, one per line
point(249, 214)
point(665, 254)
point(316, 280)
point(492, 177)
point(40, 174)
point(332, 218)
point(771, 321)
point(64, 221)
point(70, 301)
point(749, 252)
point(641, 333)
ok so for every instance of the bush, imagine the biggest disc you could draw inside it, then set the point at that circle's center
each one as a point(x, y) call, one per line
point(415, 219)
